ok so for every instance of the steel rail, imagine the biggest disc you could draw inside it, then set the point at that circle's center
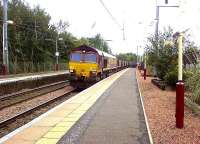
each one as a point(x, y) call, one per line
point(14, 98)
point(29, 111)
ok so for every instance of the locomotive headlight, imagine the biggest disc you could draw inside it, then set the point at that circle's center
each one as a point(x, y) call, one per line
point(93, 70)
point(71, 70)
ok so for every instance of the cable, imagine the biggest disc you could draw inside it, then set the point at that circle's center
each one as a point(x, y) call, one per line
point(111, 16)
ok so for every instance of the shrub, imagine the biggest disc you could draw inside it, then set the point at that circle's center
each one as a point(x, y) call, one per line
point(150, 70)
point(187, 74)
point(171, 76)
point(193, 86)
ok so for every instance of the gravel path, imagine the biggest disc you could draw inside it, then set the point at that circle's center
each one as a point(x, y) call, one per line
point(160, 110)
point(18, 108)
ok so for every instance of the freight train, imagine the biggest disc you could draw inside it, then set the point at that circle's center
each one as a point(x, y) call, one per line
point(87, 64)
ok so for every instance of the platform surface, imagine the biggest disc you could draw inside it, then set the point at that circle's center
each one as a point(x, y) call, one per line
point(117, 118)
point(8, 79)
point(109, 112)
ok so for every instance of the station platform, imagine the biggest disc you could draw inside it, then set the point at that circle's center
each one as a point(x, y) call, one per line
point(109, 112)
point(10, 79)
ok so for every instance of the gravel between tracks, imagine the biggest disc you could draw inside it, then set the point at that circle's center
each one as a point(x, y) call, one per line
point(160, 109)
point(16, 109)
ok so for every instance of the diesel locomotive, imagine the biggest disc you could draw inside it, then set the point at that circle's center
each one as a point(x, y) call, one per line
point(88, 63)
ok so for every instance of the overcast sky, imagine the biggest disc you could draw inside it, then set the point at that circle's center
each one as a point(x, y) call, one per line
point(137, 15)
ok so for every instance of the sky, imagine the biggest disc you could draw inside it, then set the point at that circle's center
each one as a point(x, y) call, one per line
point(89, 17)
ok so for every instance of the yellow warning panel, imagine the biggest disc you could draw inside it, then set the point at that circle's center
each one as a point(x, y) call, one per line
point(60, 129)
point(65, 124)
point(47, 141)
point(50, 128)
point(71, 119)
point(54, 134)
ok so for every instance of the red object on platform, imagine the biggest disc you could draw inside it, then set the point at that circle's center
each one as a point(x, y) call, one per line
point(56, 67)
point(145, 74)
point(4, 70)
point(179, 104)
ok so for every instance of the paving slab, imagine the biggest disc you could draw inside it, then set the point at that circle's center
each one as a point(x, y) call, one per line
point(116, 118)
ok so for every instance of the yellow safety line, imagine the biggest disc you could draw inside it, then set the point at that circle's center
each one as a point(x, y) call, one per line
point(61, 128)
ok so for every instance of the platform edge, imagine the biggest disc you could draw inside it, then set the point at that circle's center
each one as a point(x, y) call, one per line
point(14, 132)
point(146, 121)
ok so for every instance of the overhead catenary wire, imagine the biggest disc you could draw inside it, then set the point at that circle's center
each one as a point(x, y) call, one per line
point(113, 18)
point(110, 14)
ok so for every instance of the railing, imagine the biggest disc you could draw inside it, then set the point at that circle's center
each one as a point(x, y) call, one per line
point(29, 67)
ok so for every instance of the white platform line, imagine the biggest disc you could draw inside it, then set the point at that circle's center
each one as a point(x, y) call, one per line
point(141, 99)
point(38, 76)
point(8, 136)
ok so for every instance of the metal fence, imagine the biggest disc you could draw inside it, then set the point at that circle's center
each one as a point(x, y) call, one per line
point(29, 67)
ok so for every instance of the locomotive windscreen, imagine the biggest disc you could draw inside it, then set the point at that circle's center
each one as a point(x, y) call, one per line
point(85, 57)
point(75, 57)
point(91, 58)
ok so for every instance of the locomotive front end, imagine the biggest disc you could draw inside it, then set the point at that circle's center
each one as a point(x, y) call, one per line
point(83, 65)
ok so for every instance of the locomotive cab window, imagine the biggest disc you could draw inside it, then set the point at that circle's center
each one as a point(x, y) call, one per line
point(91, 58)
point(75, 57)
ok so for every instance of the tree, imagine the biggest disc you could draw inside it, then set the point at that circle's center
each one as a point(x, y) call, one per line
point(27, 38)
point(164, 55)
point(62, 26)
point(82, 41)
point(159, 55)
point(99, 43)
point(127, 57)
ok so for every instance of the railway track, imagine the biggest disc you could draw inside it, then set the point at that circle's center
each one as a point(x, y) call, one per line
point(11, 123)
point(14, 98)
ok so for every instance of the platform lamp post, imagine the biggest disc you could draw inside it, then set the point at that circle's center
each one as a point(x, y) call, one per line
point(5, 68)
point(157, 24)
point(57, 52)
point(157, 18)
point(145, 66)
point(138, 58)
point(180, 84)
